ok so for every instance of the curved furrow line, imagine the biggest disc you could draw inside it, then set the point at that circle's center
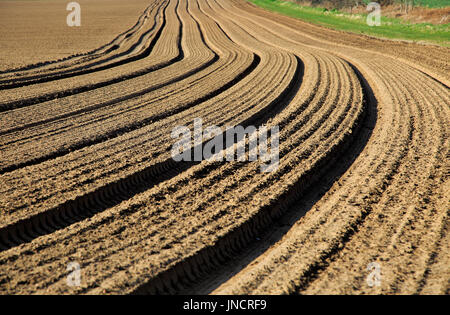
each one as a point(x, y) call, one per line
point(15, 234)
point(122, 48)
point(14, 119)
point(86, 206)
point(436, 128)
point(80, 57)
point(362, 174)
point(300, 250)
point(433, 120)
point(224, 279)
point(281, 75)
point(125, 143)
point(19, 138)
point(138, 50)
point(283, 96)
point(335, 285)
point(402, 222)
point(27, 229)
point(431, 59)
point(88, 141)
point(325, 133)
point(443, 96)
point(215, 253)
point(161, 55)
point(436, 274)
point(112, 163)
point(171, 280)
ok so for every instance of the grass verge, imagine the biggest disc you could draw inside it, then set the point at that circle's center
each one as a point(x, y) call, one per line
point(390, 28)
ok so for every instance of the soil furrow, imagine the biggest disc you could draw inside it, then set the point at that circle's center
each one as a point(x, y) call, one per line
point(119, 49)
point(361, 176)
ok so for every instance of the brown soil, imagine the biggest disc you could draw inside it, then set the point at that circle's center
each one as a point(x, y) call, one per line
point(42, 26)
point(87, 174)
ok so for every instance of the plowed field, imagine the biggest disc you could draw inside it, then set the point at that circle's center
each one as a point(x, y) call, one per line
point(87, 175)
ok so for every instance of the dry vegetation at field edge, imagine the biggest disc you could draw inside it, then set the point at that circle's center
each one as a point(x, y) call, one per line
point(414, 14)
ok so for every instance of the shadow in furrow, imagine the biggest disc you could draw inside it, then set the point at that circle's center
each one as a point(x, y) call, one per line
point(210, 267)
point(138, 124)
point(83, 69)
point(107, 196)
point(94, 52)
point(103, 198)
point(63, 75)
point(88, 205)
point(56, 95)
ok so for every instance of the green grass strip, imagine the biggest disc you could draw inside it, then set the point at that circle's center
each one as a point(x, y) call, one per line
point(391, 28)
